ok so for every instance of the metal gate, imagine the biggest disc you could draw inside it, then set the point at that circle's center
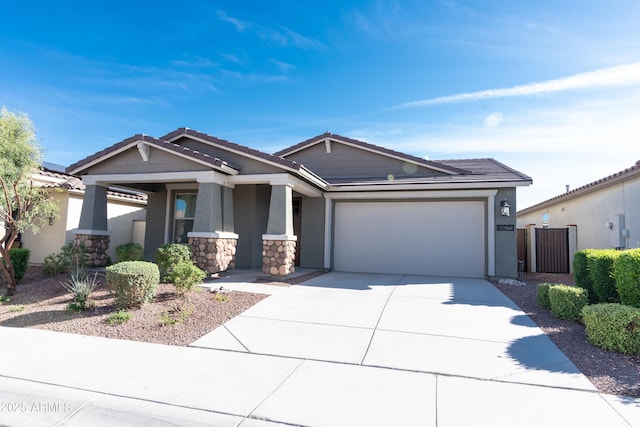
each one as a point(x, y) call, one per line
point(523, 243)
point(552, 250)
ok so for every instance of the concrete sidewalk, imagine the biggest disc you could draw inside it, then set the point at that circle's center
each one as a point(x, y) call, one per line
point(341, 349)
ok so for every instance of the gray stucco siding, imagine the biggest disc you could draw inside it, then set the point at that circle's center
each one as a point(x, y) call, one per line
point(245, 164)
point(312, 221)
point(349, 162)
point(506, 252)
point(130, 161)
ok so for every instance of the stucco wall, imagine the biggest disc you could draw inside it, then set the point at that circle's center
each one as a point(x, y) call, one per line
point(51, 237)
point(120, 217)
point(591, 211)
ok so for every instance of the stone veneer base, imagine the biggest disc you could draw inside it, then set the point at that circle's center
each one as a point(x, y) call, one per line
point(213, 254)
point(97, 246)
point(278, 257)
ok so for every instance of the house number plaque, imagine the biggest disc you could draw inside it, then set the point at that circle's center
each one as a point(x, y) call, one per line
point(505, 227)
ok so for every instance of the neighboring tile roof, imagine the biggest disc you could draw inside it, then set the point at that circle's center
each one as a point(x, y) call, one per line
point(196, 155)
point(382, 150)
point(231, 146)
point(592, 186)
point(70, 182)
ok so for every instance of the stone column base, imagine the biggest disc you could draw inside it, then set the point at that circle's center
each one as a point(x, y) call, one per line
point(213, 254)
point(278, 255)
point(96, 245)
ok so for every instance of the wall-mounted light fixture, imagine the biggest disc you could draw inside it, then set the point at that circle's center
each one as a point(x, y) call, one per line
point(505, 208)
point(51, 219)
point(608, 225)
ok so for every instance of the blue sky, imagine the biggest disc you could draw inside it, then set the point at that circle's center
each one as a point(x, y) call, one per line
point(549, 88)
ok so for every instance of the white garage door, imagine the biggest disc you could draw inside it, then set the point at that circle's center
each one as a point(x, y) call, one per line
point(434, 238)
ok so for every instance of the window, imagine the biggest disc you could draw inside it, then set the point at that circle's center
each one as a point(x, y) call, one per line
point(545, 220)
point(184, 210)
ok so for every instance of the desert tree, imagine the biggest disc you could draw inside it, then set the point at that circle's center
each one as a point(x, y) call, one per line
point(23, 206)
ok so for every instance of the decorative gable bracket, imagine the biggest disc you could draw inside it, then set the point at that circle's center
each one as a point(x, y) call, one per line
point(143, 149)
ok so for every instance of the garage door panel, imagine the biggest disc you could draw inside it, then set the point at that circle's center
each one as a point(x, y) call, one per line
point(438, 238)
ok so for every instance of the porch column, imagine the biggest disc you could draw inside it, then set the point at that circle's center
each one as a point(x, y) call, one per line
point(279, 244)
point(212, 240)
point(92, 232)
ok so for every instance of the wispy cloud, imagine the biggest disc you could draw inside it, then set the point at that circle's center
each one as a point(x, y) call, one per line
point(622, 75)
point(281, 36)
point(240, 25)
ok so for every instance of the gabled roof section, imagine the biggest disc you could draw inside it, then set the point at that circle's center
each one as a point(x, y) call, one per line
point(632, 172)
point(82, 165)
point(438, 166)
point(231, 146)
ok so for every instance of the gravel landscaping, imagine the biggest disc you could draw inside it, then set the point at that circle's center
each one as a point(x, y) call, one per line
point(41, 303)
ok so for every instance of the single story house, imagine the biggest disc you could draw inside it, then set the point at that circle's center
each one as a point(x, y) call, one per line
point(126, 213)
point(602, 214)
point(330, 202)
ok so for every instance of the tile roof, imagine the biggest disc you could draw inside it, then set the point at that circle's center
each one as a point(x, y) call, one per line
point(231, 146)
point(592, 186)
point(371, 147)
point(70, 182)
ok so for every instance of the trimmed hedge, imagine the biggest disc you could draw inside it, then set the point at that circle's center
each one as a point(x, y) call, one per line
point(581, 272)
point(600, 266)
point(626, 270)
point(169, 255)
point(129, 252)
point(613, 327)
point(134, 282)
point(542, 296)
point(185, 276)
point(567, 302)
point(20, 260)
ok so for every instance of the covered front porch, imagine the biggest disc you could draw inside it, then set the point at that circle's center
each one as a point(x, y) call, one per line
point(227, 219)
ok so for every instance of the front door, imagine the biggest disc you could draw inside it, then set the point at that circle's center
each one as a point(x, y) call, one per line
point(297, 227)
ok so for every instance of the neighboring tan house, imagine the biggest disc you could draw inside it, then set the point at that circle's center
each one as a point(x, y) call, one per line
point(125, 213)
point(599, 215)
point(329, 202)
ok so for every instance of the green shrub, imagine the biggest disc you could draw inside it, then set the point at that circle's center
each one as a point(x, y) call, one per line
point(567, 302)
point(626, 270)
point(542, 297)
point(581, 272)
point(171, 254)
point(613, 327)
point(600, 266)
point(20, 260)
point(134, 283)
point(130, 252)
point(119, 317)
point(70, 255)
point(185, 276)
point(54, 264)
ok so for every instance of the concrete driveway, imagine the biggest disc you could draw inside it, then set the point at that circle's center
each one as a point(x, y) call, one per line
point(341, 349)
